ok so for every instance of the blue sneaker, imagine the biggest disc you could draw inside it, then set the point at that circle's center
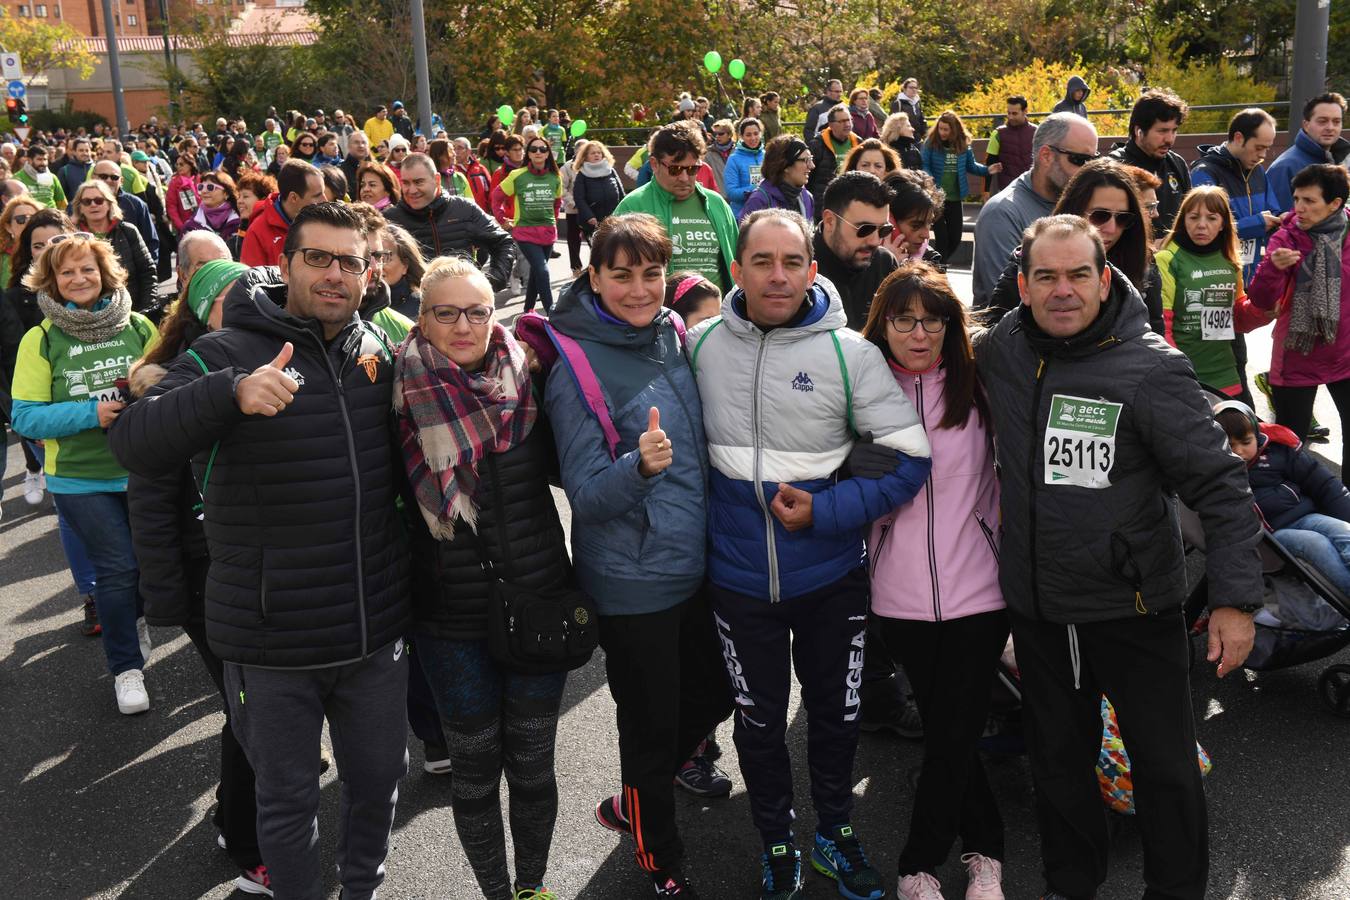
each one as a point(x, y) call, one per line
point(840, 856)
point(782, 873)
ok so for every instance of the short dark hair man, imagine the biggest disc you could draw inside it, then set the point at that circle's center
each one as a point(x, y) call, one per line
point(829, 148)
point(1011, 144)
point(1154, 122)
point(1099, 422)
point(1236, 167)
point(307, 595)
point(1317, 141)
point(299, 184)
point(446, 225)
point(854, 222)
point(834, 92)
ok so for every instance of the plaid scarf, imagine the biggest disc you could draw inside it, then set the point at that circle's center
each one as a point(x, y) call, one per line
point(450, 419)
point(1315, 313)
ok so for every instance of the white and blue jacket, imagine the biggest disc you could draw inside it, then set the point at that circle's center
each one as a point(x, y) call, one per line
point(786, 405)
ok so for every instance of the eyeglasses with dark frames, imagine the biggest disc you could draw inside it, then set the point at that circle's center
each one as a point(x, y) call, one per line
point(865, 229)
point(322, 259)
point(906, 324)
point(449, 315)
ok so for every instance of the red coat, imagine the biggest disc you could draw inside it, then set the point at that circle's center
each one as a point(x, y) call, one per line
point(480, 182)
point(267, 229)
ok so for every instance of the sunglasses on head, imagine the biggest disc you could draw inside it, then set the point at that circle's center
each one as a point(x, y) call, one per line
point(1100, 217)
point(1078, 159)
point(58, 238)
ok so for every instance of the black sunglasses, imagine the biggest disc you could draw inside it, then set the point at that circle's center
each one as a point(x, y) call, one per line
point(1078, 159)
point(883, 230)
point(540, 149)
point(1100, 217)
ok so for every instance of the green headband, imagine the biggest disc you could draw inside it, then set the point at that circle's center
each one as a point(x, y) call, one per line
point(208, 281)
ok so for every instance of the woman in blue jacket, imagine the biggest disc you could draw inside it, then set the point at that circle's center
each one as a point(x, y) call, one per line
point(636, 476)
point(743, 165)
point(948, 158)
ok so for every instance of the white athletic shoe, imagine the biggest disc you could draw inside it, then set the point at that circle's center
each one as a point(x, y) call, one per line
point(34, 486)
point(143, 634)
point(131, 694)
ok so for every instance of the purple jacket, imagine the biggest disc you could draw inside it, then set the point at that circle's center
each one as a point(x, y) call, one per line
point(936, 557)
point(768, 196)
point(1327, 363)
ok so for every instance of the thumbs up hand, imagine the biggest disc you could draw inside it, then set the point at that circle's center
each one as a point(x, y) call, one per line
point(269, 389)
point(792, 506)
point(654, 450)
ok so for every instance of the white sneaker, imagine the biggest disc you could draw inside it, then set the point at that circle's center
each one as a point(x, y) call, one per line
point(131, 694)
point(920, 886)
point(143, 633)
point(34, 486)
point(985, 876)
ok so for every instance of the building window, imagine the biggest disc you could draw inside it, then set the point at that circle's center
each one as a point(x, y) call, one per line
point(131, 20)
point(40, 10)
point(56, 11)
point(23, 12)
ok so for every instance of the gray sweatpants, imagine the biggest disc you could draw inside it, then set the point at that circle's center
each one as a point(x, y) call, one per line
point(278, 715)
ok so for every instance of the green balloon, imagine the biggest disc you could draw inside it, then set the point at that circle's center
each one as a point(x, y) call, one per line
point(578, 128)
point(736, 69)
point(506, 114)
point(712, 61)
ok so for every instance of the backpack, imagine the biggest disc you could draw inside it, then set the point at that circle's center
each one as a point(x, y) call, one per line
point(534, 330)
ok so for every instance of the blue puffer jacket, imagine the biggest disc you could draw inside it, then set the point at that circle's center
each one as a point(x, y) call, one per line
point(935, 163)
point(1288, 483)
point(1302, 153)
point(741, 165)
point(1249, 195)
point(638, 544)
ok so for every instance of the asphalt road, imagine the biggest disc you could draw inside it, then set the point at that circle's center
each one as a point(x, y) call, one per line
point(95, 804)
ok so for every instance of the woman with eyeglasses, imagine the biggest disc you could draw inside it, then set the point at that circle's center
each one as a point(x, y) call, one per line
point(96, 211)
point(398, 152)
point(492, 151)
point(536, 189)
point(18, 212)
point(66, 394)
point(1104, 193)
point(219, 209)
point(935, 589)
point(478, 455)
point(783, 176)
point(948, 158)
point(15, 216)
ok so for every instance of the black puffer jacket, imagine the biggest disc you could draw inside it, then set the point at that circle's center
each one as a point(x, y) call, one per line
point(454, 226)
point(1007, 295)
point(309, 563)
point(1076, 554)
point(519, 526)
point(1289, 484)
point(140, 265)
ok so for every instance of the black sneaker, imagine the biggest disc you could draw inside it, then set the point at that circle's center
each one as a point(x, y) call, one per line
point(672, 884)
point(435, 759)
point(699, 776)
point(711, 749)
point(782, 878)
point(884, 710)
point(839, 856)
point(90, 627)
point(609, 813)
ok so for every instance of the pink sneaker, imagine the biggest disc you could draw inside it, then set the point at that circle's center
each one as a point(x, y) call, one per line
point(986, 876)
point(920, 886)
point(254, 881)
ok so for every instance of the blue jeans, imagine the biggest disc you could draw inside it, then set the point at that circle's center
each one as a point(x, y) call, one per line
point(1322, 542)
point(537, 287)
point(81, 568)
point(102, 524)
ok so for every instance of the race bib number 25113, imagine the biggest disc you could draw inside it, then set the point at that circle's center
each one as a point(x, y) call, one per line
point(1080, 441)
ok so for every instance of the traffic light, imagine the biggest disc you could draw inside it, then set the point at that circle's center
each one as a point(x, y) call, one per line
point(17, 111)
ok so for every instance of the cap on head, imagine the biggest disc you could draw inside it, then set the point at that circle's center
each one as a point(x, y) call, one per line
point(398, 104)
point(686, 105)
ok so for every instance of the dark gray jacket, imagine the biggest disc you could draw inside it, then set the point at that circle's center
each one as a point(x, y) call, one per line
point(1075, 554)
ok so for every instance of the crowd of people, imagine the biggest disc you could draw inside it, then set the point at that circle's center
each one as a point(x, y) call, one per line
point(773, 419)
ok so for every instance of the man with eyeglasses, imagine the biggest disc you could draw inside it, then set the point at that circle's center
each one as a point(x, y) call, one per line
point(284, 413)
point(299, 184)
point(834, 92)
point(701, 228)
point(1062, 145)
point(829, 149)
point(786, 387)
point(134, 209)
point(1154, 122)
point(854, 222)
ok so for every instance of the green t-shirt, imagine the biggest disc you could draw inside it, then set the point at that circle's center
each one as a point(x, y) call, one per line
point(557, 139)
point(694, 240)
point(271, 140)
point(54, 367)
point(950, 182)
point(535, 196)
point(841, 153)
point(1199, 291)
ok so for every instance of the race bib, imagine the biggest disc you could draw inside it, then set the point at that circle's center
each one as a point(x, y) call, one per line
point(1248, 251)
point(1216, 314)
point(755, 177)
point(1080, 441)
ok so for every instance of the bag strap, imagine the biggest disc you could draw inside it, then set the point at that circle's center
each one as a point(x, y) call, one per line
point(693, 357)
point(570, 352)
point(210, 460)
point(848, 386)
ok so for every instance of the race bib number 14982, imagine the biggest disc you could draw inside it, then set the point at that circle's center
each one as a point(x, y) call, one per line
point(1080, 441)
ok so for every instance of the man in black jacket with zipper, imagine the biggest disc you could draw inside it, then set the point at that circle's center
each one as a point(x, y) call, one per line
point(1154, 123)
point(285, 413)
point(1101, 426)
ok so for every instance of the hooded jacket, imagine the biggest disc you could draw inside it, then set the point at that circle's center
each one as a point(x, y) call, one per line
point(914, 110)
point(1070, 105)
point(855, 287)
point(309, 565)
point(1288, 483)
point(810, 387)
point(1326, 363)
point(638, 543)
point(1303, 152)
point(1130, 417)
point(266, 233)
point(936, 557)
point(742, 175)
point(1249, 195)
point(453, 226)
point(1171, 170)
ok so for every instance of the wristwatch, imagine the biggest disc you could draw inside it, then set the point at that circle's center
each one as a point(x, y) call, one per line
point(1248, 608)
